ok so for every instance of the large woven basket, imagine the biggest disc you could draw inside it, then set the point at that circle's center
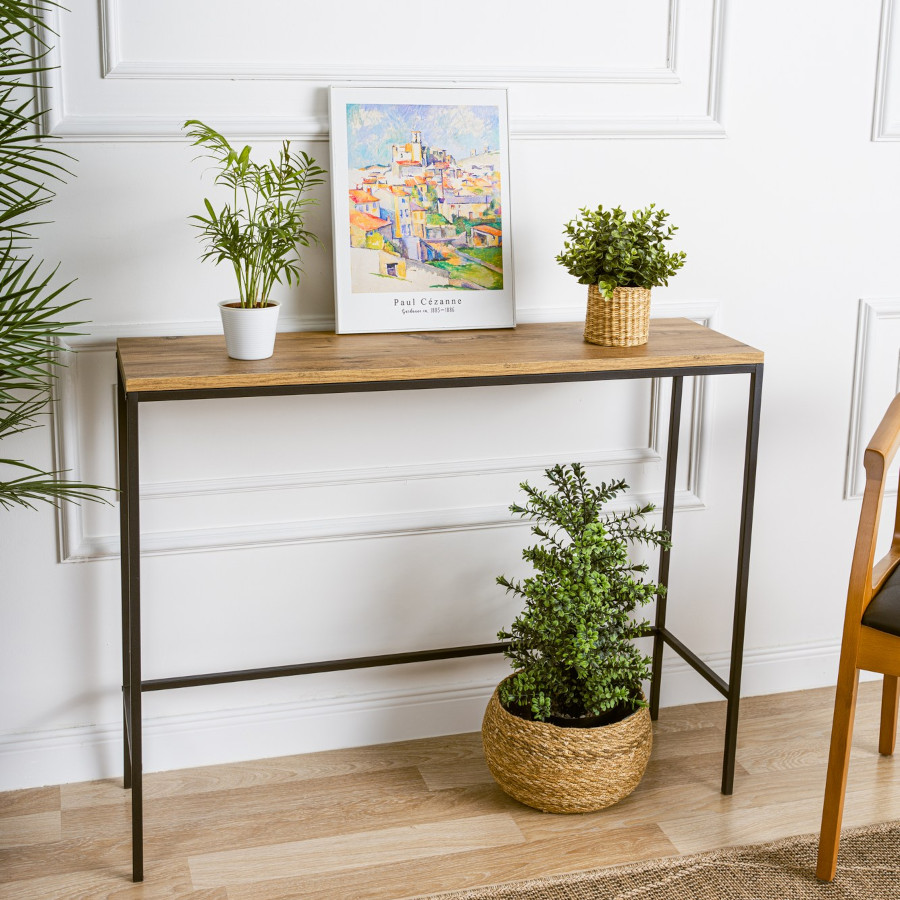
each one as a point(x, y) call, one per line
point(565, 770)
point(623, 321)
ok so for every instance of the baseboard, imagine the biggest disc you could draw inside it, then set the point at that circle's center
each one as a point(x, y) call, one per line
point(95, 751)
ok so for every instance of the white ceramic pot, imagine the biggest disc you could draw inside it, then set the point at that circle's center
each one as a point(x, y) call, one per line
point(249, 333)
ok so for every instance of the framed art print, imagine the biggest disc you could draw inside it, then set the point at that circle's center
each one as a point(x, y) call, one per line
point(420, 182)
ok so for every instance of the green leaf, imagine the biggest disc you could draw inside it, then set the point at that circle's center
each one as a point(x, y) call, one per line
point(33, 312)
point(260, 233)
point(606, 248)
point(571, 647)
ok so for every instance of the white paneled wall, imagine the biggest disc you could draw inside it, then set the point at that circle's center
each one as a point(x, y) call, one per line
point(284, 529)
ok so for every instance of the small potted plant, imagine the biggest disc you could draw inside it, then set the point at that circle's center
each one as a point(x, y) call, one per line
point(569, 731)
point(257, 232)
point(620, 259)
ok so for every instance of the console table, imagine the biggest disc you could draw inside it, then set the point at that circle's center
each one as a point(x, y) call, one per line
point(197, 368)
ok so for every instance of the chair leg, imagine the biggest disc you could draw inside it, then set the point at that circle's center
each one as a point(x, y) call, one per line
point(836, 779)
point(890, 699)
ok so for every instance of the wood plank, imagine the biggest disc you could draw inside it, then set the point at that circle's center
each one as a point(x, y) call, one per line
point(35, 828)
point(690, 717)
point(566, 853)
point(688, 743)
point(276, 815)
point(163, 883)
point(312, 793)
point(29, 800)
point(178, 826)
point(742, 825)
point(794, 753)
point(467, 772)
point(315, 358)
point(353, 851)
point(445, 752)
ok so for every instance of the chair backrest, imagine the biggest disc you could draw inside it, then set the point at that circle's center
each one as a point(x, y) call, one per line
point(866, 577)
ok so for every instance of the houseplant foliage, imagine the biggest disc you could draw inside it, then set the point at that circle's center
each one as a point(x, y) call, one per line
point(259, 229)
point(610, 248)
point(30, 301)
point(572, 646)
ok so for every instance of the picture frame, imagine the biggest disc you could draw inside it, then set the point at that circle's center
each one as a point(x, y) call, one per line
point(421, 209)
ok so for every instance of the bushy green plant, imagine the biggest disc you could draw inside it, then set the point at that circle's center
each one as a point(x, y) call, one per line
point(30, 301)
point(572, 646)
point(606, 248)
point(259, 230)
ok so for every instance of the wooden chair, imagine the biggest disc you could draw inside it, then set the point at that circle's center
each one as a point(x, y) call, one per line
point(871, 638)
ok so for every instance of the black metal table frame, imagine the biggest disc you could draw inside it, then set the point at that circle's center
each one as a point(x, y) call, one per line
point(129, 480)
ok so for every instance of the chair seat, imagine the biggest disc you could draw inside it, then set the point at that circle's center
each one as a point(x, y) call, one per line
point(883, 613)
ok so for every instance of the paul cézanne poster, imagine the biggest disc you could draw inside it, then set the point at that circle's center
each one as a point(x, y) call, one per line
point(421, 209)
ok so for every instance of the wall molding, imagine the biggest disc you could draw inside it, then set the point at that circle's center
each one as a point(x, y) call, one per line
point(704, 313)
point(331, 478)
point(91, 752)
point(89, 128)
point(76, 546)
point(547, 128)
point(344, 528)
point(870, 313)
point(114, 65)
point(714, 84)
point(151, 70)
point(64, 423)
point(882, 129)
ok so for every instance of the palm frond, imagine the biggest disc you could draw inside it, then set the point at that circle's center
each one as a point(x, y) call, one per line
point(21, 415)
point(259, 232)
point(19, 19)
point(44, 487)
point(33, 311)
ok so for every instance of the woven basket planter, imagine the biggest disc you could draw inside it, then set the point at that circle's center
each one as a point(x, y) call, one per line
point(565, 770)
point(623, 321)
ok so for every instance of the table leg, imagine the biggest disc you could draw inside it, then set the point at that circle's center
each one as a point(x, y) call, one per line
point(131, 618)
point(743, 574)
point(668, 512)
point(123, 559)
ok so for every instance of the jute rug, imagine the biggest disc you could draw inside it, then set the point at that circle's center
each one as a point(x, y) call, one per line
point(868, 869)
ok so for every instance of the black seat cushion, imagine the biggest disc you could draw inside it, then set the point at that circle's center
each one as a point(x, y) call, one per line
point(883, 613)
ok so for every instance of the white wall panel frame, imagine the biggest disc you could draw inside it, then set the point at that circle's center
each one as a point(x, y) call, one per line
point(99, 126)
point(116, 66)
point(865, 412)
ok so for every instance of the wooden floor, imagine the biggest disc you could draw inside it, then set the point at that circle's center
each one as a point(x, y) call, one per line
point(399, 820)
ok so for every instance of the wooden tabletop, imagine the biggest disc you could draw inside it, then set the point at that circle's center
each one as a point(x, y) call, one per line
point(316, 357)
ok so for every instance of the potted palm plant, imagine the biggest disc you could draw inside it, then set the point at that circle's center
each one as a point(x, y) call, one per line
point(569, 731)
point(620, 259)
point(257, 232)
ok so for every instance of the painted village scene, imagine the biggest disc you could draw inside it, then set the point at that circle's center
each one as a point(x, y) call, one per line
point(424, 198)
